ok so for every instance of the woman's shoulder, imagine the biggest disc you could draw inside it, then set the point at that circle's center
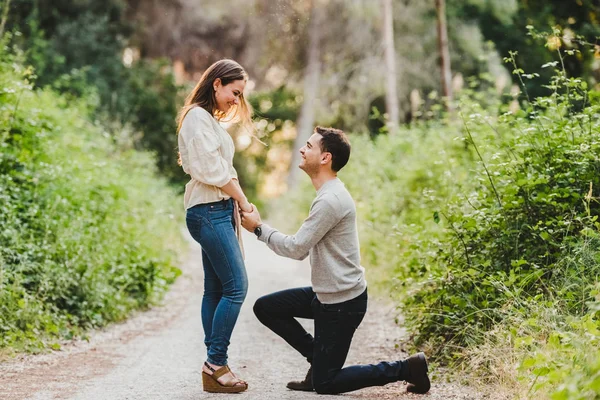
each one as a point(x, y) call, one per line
point(200, 112)
point(197, 116)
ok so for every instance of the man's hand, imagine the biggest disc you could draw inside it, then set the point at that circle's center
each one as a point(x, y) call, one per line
point(251, 220)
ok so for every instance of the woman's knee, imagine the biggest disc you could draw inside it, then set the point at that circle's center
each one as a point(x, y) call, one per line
point(236, 288)
point(243, 287)
point(237, 294)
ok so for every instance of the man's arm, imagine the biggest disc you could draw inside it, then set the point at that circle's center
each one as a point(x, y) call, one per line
point(321, 219)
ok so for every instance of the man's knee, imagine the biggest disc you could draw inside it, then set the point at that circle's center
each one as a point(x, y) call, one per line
point(323, 387)
point(260, 307)
point(323, 381)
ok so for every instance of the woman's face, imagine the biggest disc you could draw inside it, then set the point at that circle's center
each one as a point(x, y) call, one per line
point(228, 95)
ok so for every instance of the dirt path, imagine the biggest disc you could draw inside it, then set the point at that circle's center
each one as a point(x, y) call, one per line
point(158, 354)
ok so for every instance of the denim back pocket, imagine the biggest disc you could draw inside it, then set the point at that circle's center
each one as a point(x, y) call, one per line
point(221, 213)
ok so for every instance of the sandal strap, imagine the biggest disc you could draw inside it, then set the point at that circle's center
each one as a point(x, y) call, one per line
point(221, 371)
point(207, 365)
point(231, 382)
point(239, 380)
point(217, 373)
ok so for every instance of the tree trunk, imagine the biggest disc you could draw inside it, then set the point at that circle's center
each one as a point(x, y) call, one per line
point(4, 16)
point(442, 29)
point(306, 118)
point(391, 94)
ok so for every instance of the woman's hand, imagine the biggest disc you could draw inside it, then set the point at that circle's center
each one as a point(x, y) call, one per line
point(251, 220)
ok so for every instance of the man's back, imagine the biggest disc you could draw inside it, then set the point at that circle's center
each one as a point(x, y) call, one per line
point(337, 275)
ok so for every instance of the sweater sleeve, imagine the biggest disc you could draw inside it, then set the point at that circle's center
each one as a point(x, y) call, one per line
point(321, 219)
point(206, 164)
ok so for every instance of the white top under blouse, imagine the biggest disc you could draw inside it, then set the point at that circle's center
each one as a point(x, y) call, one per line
point(207, 156)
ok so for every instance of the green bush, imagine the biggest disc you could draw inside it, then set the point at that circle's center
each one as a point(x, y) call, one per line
point(88, 230)
point(541, 349)
point(529, 204)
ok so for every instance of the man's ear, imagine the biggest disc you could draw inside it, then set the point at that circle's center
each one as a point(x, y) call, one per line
point(325, 158)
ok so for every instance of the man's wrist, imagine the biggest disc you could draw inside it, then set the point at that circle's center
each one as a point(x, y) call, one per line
point(258, 230)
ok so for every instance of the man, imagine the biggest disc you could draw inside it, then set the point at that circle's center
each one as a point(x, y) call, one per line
point(337, 300)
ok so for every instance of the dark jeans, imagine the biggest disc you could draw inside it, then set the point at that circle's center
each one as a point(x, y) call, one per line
point(225, 280)
point(334, 328)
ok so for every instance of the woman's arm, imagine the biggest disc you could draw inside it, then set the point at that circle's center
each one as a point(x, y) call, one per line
point(233, 189)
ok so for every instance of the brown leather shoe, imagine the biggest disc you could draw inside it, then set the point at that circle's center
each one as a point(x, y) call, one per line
point(418, 381)
point(305, 385)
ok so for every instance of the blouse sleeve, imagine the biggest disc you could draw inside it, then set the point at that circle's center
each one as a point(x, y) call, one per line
point(206, 164)
point(233, 173)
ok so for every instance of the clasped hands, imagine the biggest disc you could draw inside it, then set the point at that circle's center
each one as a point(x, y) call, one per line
point(250, 220)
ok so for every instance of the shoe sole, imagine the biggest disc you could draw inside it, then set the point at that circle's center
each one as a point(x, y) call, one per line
point(303, 389)
point(211, 385)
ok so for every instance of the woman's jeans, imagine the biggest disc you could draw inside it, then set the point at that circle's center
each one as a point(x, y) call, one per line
point(335, 325)
point(225, 281)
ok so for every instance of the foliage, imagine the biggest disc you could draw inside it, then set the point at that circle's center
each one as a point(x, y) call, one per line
point(485, 224)
point(259, 165)
point(147, 100)
point(88, 231)
point(77, 47)
point(508, 31)
point(540, 349)
point(531, 199)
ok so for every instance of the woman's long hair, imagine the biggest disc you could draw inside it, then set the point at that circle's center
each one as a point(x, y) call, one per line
point(203, 94)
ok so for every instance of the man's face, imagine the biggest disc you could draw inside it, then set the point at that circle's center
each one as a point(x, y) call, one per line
point(311, 155)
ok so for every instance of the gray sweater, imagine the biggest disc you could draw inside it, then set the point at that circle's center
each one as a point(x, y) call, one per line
point(330, 237)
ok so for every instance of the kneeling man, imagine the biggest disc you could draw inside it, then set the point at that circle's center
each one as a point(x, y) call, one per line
point(337, 299)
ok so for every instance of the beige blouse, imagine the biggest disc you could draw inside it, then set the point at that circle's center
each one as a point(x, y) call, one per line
point(207, 156)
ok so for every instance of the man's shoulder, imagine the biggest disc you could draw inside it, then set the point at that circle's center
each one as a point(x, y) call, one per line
point(340, 192)
point(337, 200)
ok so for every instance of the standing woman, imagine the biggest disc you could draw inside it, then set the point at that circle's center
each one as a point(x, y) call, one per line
point(212, 199)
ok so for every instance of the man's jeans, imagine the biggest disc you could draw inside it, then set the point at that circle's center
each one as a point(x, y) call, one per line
point(225, 281)
point(334, 328)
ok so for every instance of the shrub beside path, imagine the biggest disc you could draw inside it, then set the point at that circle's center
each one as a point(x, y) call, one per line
point(158, 354)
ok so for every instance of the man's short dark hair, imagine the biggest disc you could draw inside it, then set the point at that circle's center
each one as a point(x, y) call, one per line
point(336, 142)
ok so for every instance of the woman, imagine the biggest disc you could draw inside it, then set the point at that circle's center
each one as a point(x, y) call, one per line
point(212, 199)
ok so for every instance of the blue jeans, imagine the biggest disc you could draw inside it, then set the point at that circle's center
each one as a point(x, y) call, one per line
point(225, 280)
point(335, 325)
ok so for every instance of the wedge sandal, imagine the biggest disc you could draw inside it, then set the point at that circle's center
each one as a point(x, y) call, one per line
point(212, 385)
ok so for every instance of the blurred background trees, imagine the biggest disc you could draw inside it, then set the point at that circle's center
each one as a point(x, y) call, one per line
point(327, 57)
